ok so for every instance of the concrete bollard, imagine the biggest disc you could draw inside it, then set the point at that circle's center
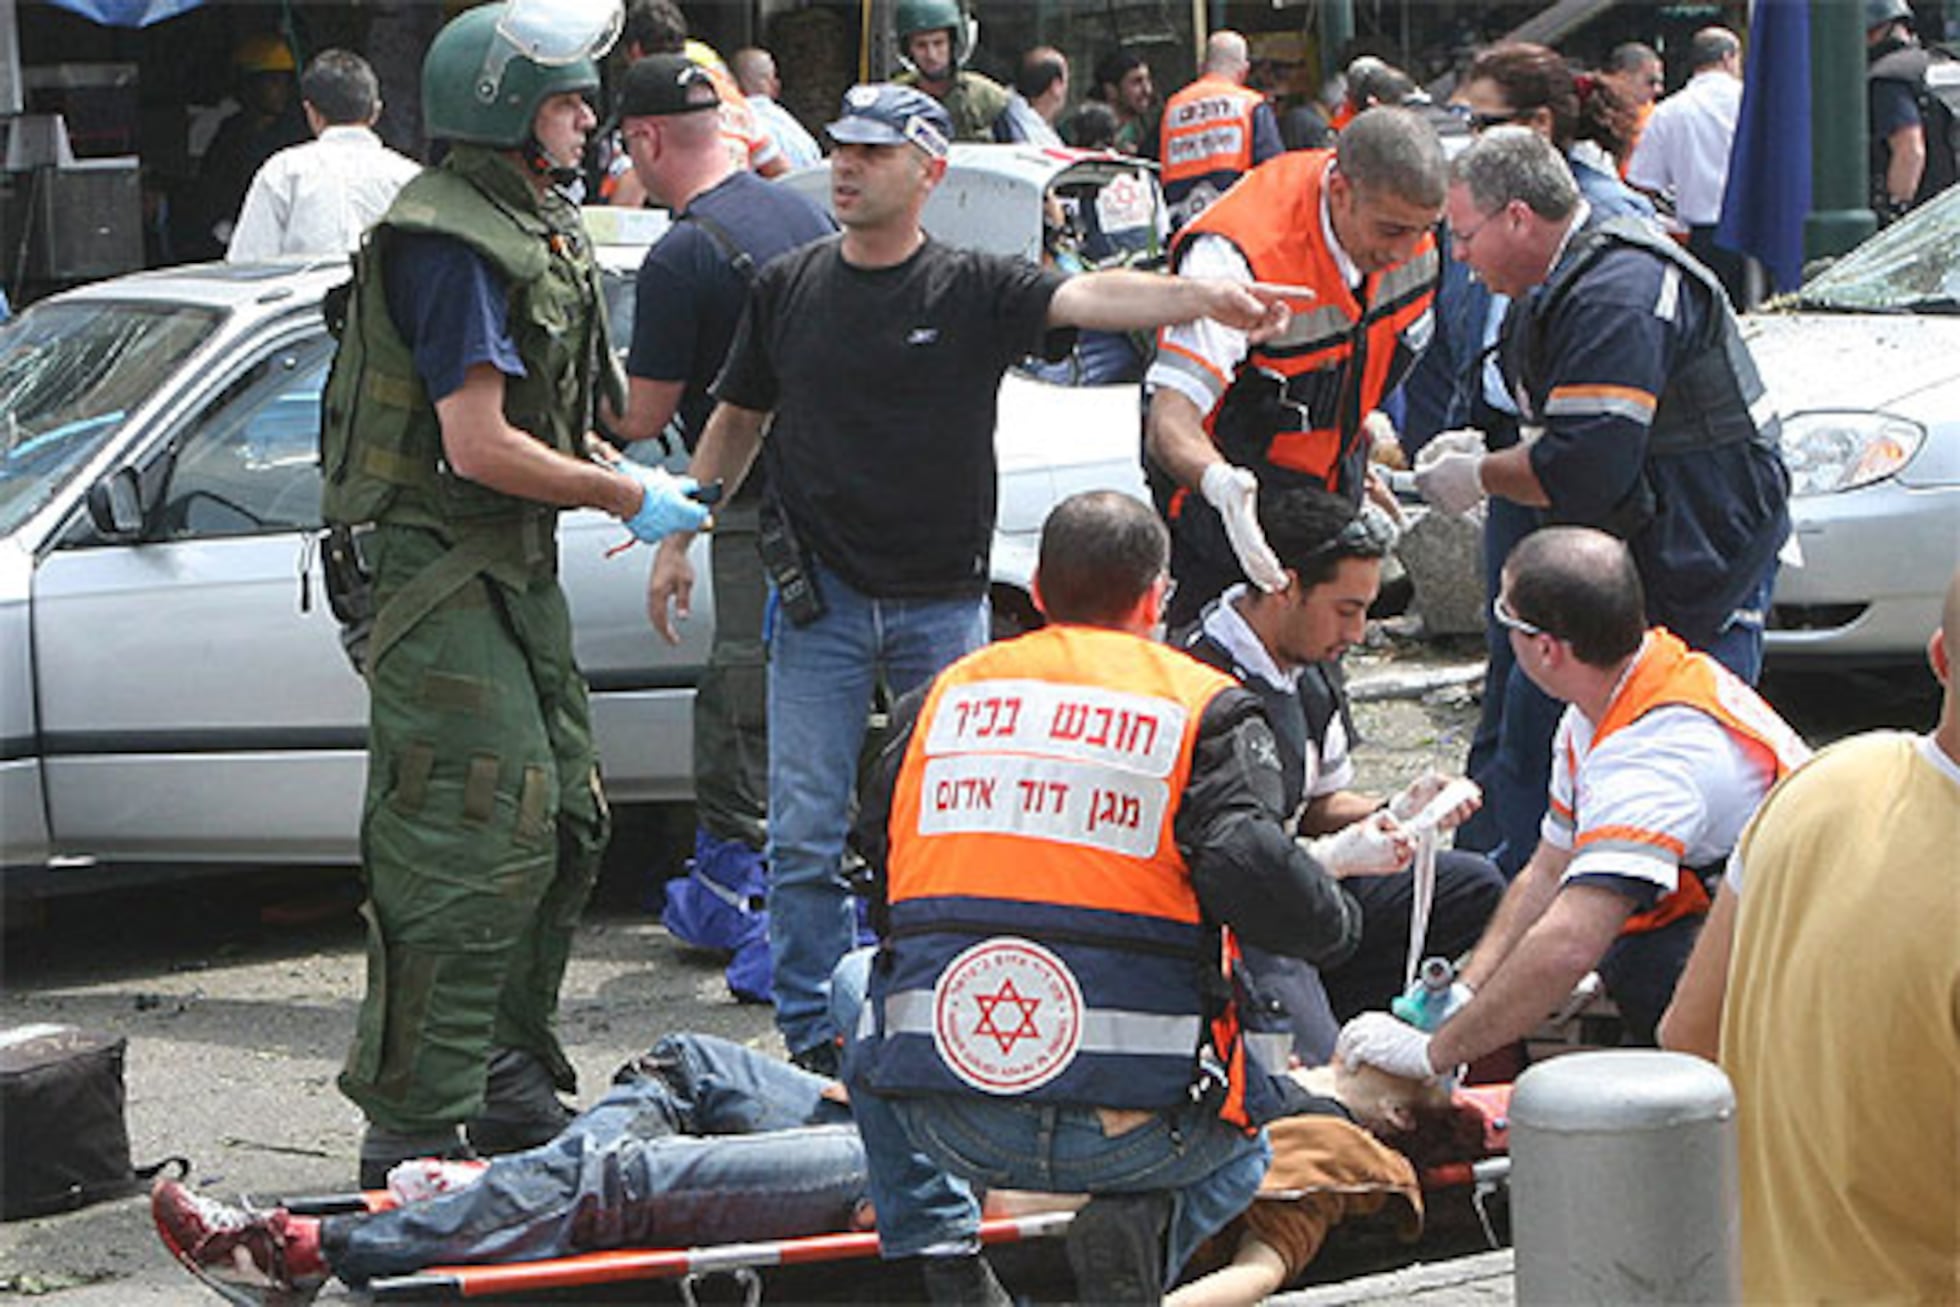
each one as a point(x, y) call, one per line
point(1623, 1180)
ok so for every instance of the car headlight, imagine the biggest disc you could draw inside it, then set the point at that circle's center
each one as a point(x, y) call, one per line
point(1828, 452)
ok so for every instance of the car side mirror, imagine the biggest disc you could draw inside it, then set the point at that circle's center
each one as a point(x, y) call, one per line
point(120, 504)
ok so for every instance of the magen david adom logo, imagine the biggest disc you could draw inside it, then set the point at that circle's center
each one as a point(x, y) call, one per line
point(1007, 1016)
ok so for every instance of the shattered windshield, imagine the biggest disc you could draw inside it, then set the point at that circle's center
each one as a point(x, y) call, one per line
point(69, 374)
point(1911, 266)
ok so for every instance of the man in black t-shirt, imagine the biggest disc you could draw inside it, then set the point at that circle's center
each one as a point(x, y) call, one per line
point(692, 287)
point(879, 355)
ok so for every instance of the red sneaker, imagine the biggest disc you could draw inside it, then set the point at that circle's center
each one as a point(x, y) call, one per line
point(259, 1259)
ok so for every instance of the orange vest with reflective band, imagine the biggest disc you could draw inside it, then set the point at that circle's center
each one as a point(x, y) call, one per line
point(1669, 673)
point(1045, 940)
point(1207, 137)
point(1339, 357)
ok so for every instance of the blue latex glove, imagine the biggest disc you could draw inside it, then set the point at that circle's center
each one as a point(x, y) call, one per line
point(665, 508)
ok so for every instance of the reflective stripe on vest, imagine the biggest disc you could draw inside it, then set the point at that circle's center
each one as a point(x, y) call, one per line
point(1045, 939)
point(1207, 143)
point(1295, 404)
point(1667, 674)
point(1715, 398)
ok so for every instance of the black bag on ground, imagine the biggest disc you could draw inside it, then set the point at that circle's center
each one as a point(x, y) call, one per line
point(63, 1141)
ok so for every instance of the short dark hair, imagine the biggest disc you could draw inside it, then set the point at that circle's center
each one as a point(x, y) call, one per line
point(1389, 150)
point(656, 26)
point(1630, 57)
point(1040, 69)
point(1114, 66)
point(1093, 127)
point(341, 87)
point(1710, 46)
point(1101, 551)
point(1579, 585)
point(1313, 532)
point(1374, 82)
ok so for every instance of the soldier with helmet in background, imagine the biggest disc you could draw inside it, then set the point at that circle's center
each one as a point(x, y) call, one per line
point(456, 421)
point(267, 121)
point(935, 39)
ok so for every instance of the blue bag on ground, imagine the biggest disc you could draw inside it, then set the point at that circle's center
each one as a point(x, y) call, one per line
point(718, 905)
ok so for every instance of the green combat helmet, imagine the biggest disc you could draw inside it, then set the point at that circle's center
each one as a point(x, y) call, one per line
point(930, 16)
point(491, 67)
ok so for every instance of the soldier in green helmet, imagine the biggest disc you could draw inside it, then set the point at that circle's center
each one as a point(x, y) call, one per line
point(934, 39)
point(472, 353)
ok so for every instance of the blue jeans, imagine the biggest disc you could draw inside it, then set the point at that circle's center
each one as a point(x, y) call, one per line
point(821, 679)
point(926, 1153)
point(1739, 644)
point(701, 1142)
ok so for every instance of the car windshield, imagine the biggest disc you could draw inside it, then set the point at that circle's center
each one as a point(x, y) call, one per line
point(1913, 266)
point(70, 373)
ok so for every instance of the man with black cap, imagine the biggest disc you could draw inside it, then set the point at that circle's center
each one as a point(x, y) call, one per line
point(728, 223)
point(879, 355)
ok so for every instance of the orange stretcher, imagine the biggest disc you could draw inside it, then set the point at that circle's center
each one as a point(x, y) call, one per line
point(1477, 1148)
point(742, 1260)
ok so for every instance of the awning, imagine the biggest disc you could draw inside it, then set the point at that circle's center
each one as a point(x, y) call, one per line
point(128, 13)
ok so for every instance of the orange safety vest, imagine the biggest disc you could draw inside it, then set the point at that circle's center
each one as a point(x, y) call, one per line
point(1045, 940)
point(1292, 412)
point(1206, 139)
point(1669, 673)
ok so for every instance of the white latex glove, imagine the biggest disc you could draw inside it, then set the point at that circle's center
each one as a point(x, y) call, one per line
point(1437, 801)
point(1234, 492)
point(1373, 846)
point(1452, 482)
point(1457, 440)
point(1378, 1040)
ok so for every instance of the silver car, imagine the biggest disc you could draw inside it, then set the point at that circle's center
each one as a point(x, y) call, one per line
point(1864, 365)
point(172, 689)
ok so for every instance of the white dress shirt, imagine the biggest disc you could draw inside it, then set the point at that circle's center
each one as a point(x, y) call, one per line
point(315, 200)
point(1684, 149)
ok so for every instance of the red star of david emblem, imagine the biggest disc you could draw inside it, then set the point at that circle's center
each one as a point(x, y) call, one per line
point(1009, 997)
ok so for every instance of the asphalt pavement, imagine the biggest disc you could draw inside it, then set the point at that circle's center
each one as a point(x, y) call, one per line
point(237, 997)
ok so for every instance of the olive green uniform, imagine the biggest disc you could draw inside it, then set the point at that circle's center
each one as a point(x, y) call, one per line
point(484, 820)
point(973, 102)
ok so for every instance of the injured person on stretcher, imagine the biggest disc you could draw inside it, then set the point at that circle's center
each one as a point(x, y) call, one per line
point(704, 1142)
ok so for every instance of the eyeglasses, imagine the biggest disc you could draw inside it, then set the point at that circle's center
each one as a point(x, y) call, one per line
point(1510, 621)
point(1464, 238)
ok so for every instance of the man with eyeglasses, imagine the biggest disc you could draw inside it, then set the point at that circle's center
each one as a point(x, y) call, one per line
point(1641, 413)
point(1662, 756)
point(1353, 226)
point(1286, 648)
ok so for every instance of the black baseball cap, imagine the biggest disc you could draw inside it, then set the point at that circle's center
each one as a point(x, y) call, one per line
point(664, 84)
point(885, 113)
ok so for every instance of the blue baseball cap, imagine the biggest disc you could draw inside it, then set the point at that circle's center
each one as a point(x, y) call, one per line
point(885, 113)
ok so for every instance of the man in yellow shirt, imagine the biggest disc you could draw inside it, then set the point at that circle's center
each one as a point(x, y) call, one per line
point(1828, 980)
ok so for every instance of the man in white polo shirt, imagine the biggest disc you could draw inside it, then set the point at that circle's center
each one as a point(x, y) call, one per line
point(1683, 155)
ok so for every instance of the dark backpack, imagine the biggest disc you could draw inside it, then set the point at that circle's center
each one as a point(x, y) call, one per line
point(63, 1141)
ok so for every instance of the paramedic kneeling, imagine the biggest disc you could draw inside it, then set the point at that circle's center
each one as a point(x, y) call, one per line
point(1062, 823)
point(1660, 759)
